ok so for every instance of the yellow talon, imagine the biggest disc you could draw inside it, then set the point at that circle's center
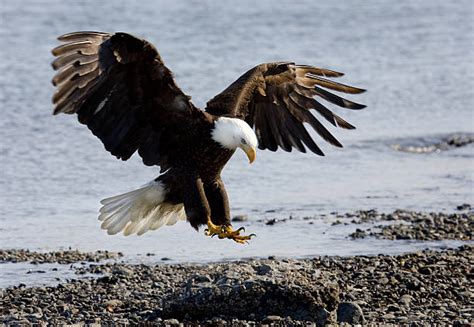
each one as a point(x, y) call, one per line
point(225, 231)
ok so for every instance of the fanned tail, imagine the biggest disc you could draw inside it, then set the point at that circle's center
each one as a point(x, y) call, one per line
point(139, 210)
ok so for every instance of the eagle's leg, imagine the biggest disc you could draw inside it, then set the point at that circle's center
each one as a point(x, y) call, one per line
point(226, 231)
point(219, 223)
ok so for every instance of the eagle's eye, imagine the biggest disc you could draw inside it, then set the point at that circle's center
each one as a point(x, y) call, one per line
point(243, 141)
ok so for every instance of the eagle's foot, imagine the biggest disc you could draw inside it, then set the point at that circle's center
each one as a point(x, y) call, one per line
point(225, 231)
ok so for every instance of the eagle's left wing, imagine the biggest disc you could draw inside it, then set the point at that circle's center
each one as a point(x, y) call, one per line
point(121, 89)
point(276, 98)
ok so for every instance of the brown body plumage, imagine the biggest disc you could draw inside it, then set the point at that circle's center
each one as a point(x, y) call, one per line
point(120, 88)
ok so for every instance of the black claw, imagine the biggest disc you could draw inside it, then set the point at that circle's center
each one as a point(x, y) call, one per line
point(241, 229)
point(252, 235)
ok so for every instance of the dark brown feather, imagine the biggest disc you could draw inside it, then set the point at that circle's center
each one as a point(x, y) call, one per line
point(334, 85)
point(276, 99)
point(337, 100)
point(317, 126)
point(120, 88)
point(317, 71)
point(310, 103)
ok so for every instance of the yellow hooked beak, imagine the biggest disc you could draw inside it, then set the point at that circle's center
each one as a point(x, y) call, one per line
point(250, 151)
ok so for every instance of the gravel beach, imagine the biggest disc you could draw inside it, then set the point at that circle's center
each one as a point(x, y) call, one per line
point(418, 289)
point(421, 288)
point(413, 225)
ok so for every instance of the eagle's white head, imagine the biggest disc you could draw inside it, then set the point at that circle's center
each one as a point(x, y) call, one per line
point(233, 133)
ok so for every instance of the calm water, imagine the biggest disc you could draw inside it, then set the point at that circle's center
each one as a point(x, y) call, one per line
point(415, 58)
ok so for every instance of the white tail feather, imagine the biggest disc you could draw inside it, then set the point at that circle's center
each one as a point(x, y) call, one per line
point(139, 211)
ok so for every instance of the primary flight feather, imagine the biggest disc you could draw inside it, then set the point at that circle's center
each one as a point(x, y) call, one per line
point(120, 88)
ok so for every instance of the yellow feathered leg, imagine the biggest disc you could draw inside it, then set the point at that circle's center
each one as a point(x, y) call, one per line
point(226, 231)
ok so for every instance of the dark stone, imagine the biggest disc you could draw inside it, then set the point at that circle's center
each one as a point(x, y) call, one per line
point(413, 284)
point(36, 272)
point(464, 206)
point(424, 270)
point(202, 279)
point(392, 308)
point(350, 312)
point(240, 218)
point(359, 233)
point(263, 269)
point(108, 280)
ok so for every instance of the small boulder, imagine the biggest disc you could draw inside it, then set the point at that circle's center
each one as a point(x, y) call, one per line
point(263, 269)
point(350, 312)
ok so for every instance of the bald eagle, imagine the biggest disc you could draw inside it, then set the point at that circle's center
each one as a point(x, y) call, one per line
point(120, 88)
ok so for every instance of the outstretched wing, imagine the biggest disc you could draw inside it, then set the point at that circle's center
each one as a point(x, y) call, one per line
point(120, 88)
point(276, 99)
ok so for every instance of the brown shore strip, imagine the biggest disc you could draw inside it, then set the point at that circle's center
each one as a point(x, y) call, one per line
point(421, 288)
point(62, 257)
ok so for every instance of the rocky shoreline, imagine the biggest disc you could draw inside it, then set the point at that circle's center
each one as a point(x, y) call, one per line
point(413, 289)
point(62, 257)
point(416, 289)
point(413, 225)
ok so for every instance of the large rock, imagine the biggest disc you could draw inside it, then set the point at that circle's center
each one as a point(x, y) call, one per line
point(350, 312)
point(243, 292)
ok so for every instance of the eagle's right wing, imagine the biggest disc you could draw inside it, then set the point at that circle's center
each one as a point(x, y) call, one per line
point(120, 88)
point(276, 98)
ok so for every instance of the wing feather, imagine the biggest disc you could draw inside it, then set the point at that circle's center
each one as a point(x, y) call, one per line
point(334, 85)
point(74, 58)
point(294, 128)
point(120, 88)
point(276, 99)
point(337, 100)
point(97, 37)
point(307, 117)
point(76, 69)
point(82, 47)
point(305, 69)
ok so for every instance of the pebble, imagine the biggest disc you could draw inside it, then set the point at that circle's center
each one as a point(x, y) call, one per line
point(272, 318)
point(240, 218)
point(171, 322)
point(392, 308)
point(405, 299)
point(263, 269)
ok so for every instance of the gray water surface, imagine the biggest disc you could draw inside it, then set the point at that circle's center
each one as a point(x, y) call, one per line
point(415, 58)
